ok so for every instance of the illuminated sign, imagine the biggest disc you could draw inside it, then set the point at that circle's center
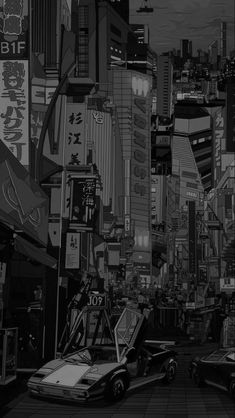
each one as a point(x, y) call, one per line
point(140, 86)
point(14, 29)
point(14, 129)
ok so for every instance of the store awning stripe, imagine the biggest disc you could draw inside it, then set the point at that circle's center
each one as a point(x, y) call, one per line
point(29, 250)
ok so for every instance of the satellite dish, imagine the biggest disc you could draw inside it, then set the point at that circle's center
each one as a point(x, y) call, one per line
point(145, 7)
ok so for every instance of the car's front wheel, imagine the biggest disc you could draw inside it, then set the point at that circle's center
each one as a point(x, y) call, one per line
point(116, 389)
point(170, 373)
point(232, 388)
point(196, 377)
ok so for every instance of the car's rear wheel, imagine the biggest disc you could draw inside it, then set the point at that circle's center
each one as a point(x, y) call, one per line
point(232, 388)
point(170, 373)
point(196, 377)
point(116, 389)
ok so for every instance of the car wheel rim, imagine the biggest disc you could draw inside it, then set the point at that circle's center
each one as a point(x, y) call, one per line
point(118, 388)
point(170, 373)
point(232, 388)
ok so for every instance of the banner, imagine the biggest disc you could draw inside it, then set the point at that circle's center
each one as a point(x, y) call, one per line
point(82, 202)
point(72, 256)
point(75, 144)
point(14, 116)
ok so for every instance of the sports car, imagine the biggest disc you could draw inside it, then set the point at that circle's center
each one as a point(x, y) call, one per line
point(107, 370)
point(216, 369)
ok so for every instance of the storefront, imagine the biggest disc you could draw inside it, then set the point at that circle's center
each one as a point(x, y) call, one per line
point(25, 263)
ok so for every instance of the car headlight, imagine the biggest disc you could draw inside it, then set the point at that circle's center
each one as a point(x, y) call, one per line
point(91, 378)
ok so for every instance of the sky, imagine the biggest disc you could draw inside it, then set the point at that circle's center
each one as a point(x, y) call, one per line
point(196, 20)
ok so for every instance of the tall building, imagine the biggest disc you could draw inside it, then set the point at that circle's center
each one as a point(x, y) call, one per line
point(213, 54)
point(185, 48)
point(230, 114)
point(122, 7)
point(194, 123)
point(164, 86)
point(223, 39)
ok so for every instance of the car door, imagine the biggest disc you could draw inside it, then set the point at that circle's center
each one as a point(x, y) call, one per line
point(210, 367)
point(225, 368)
point(128, 331)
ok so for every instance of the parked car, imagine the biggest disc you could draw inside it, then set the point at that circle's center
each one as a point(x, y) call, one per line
point(216, 369)
point(107, 370)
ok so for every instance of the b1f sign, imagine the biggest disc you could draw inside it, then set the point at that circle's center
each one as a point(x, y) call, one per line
point(14, 25)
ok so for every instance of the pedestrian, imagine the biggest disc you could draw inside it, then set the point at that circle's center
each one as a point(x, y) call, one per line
point(141, 302)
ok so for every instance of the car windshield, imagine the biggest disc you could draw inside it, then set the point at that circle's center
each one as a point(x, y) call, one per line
point(83, 356)
point(94, 355)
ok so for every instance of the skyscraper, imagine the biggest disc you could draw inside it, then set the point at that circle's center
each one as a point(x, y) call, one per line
point(164, 86)
point(223, 39)
point(213, 54)
point(185, 48)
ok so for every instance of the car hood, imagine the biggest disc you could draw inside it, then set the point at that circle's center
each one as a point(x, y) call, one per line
point(71, 374)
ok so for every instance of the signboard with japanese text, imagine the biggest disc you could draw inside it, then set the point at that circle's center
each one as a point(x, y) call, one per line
point(75, 144)
point(82, 202)
point(14, 123)
point(14, 29)
point(219, 138)
point(72, 256)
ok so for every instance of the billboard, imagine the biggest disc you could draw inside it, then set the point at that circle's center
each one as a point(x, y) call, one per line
point(75, 144)
point(82, 202)
point(22, 202)
point(14, 117)
point(192, 236)
point(14, 29)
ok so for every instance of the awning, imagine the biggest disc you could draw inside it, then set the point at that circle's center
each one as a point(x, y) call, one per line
point(35, 253)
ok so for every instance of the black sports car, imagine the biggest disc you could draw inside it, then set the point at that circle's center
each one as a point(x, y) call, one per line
point(216, 369)
point(107, 370)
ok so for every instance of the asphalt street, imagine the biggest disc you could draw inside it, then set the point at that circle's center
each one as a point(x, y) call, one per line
point(181, 399)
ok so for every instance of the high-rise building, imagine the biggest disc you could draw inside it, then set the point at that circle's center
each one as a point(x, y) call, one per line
point(223, 39)
point(230, 114)
point(185, 48)
point(122, 7)
point(213, 54)
point(164, 86)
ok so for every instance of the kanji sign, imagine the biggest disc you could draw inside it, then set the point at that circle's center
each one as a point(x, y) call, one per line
point(82, 201)
point(14, 27)
point(14, 124)
point(72, 257)
point(75, 139)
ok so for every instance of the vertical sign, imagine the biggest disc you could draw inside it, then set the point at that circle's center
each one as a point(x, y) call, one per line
point(75, 145)
point(82, 203)
point(72, 256)
point(14, 78)
point(218, 144)
point(192, 237)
